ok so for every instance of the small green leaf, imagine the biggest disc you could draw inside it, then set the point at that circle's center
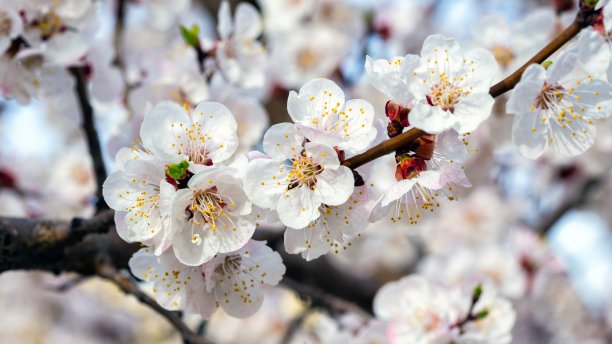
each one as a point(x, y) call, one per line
point(547, 64)
point(191, 35)
point(590, 2)
point(476, 293)
point(482, 314)
point(177, 171)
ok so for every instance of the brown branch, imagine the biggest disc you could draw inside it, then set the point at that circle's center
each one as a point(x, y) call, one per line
point(91, 134)
point(579, 198)
point(320, 298)
point(130, 287)
point(89, 247)
point(584, 18)
point(57, 246)
point(509, 82)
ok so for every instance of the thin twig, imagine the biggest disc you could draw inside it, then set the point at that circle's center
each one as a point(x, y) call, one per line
point(91, 134)
point(130, 287)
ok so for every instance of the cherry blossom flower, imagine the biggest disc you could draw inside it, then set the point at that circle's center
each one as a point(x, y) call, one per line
point(285, 15)
point(322, 115)
point(333, 230)
point(495, 327)
point(141, 197)
point(556, 107)
point(60, 29)
point(308, 52)
point(11, 26)
point(240, 56)
point(392, 77)
point(232, 281)
point(417, 311)
point(211, 216)
point(419, 181)
point(494, 265)
point(202, 137)
point(513, 44)
point(297, 178)
point(451, 86)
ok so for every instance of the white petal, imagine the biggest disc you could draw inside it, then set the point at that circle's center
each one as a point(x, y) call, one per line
point(265, 182)
point(334, 187)
point(526, 91)
point(248, 21)
point(450, 147)
point(225, 25)
point(471, 111)
point(323, 155)
point(529, 142)
point(431, 119)
point(316, 98)
point(283, 141)
point(298, 207)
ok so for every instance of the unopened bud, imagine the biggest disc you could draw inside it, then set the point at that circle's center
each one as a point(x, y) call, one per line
point(397, 113)
point(409, 167)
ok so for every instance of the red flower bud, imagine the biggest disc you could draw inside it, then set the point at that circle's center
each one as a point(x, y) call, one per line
point(397, 113)
point(409, 167)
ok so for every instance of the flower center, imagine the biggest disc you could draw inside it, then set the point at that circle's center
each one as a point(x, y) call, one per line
point(5, 23)
point(445, 94)
point(194, 144)
point(207, 207)
point(229, 265)
point(306, 58)
point(304, 172)
point(503, 55)
point(49, 25)
point(550, 95)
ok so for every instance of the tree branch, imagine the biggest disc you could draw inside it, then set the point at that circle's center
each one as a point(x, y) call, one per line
point(91, 134)
point(130, 287)
point(579, 198)
point(583, 19)
point(320, 298)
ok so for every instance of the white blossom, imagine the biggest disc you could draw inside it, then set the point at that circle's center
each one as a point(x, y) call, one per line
point(232, 281)
point(322, 115)
point(556, 107)
point(297, 178)
point(211, 215)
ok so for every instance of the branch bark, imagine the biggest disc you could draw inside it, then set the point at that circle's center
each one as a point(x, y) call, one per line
point(91, 134)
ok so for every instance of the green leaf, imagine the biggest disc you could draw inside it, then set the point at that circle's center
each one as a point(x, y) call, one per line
point(547, 64)
point(177, 171)
point(191, 35)
point(476, 293)
point(482, 314)
point(590, 2)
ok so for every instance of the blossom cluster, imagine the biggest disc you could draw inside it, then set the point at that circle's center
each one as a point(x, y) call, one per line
point(194, 189)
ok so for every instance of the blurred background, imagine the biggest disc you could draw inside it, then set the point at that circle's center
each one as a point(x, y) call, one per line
point(540, 229)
